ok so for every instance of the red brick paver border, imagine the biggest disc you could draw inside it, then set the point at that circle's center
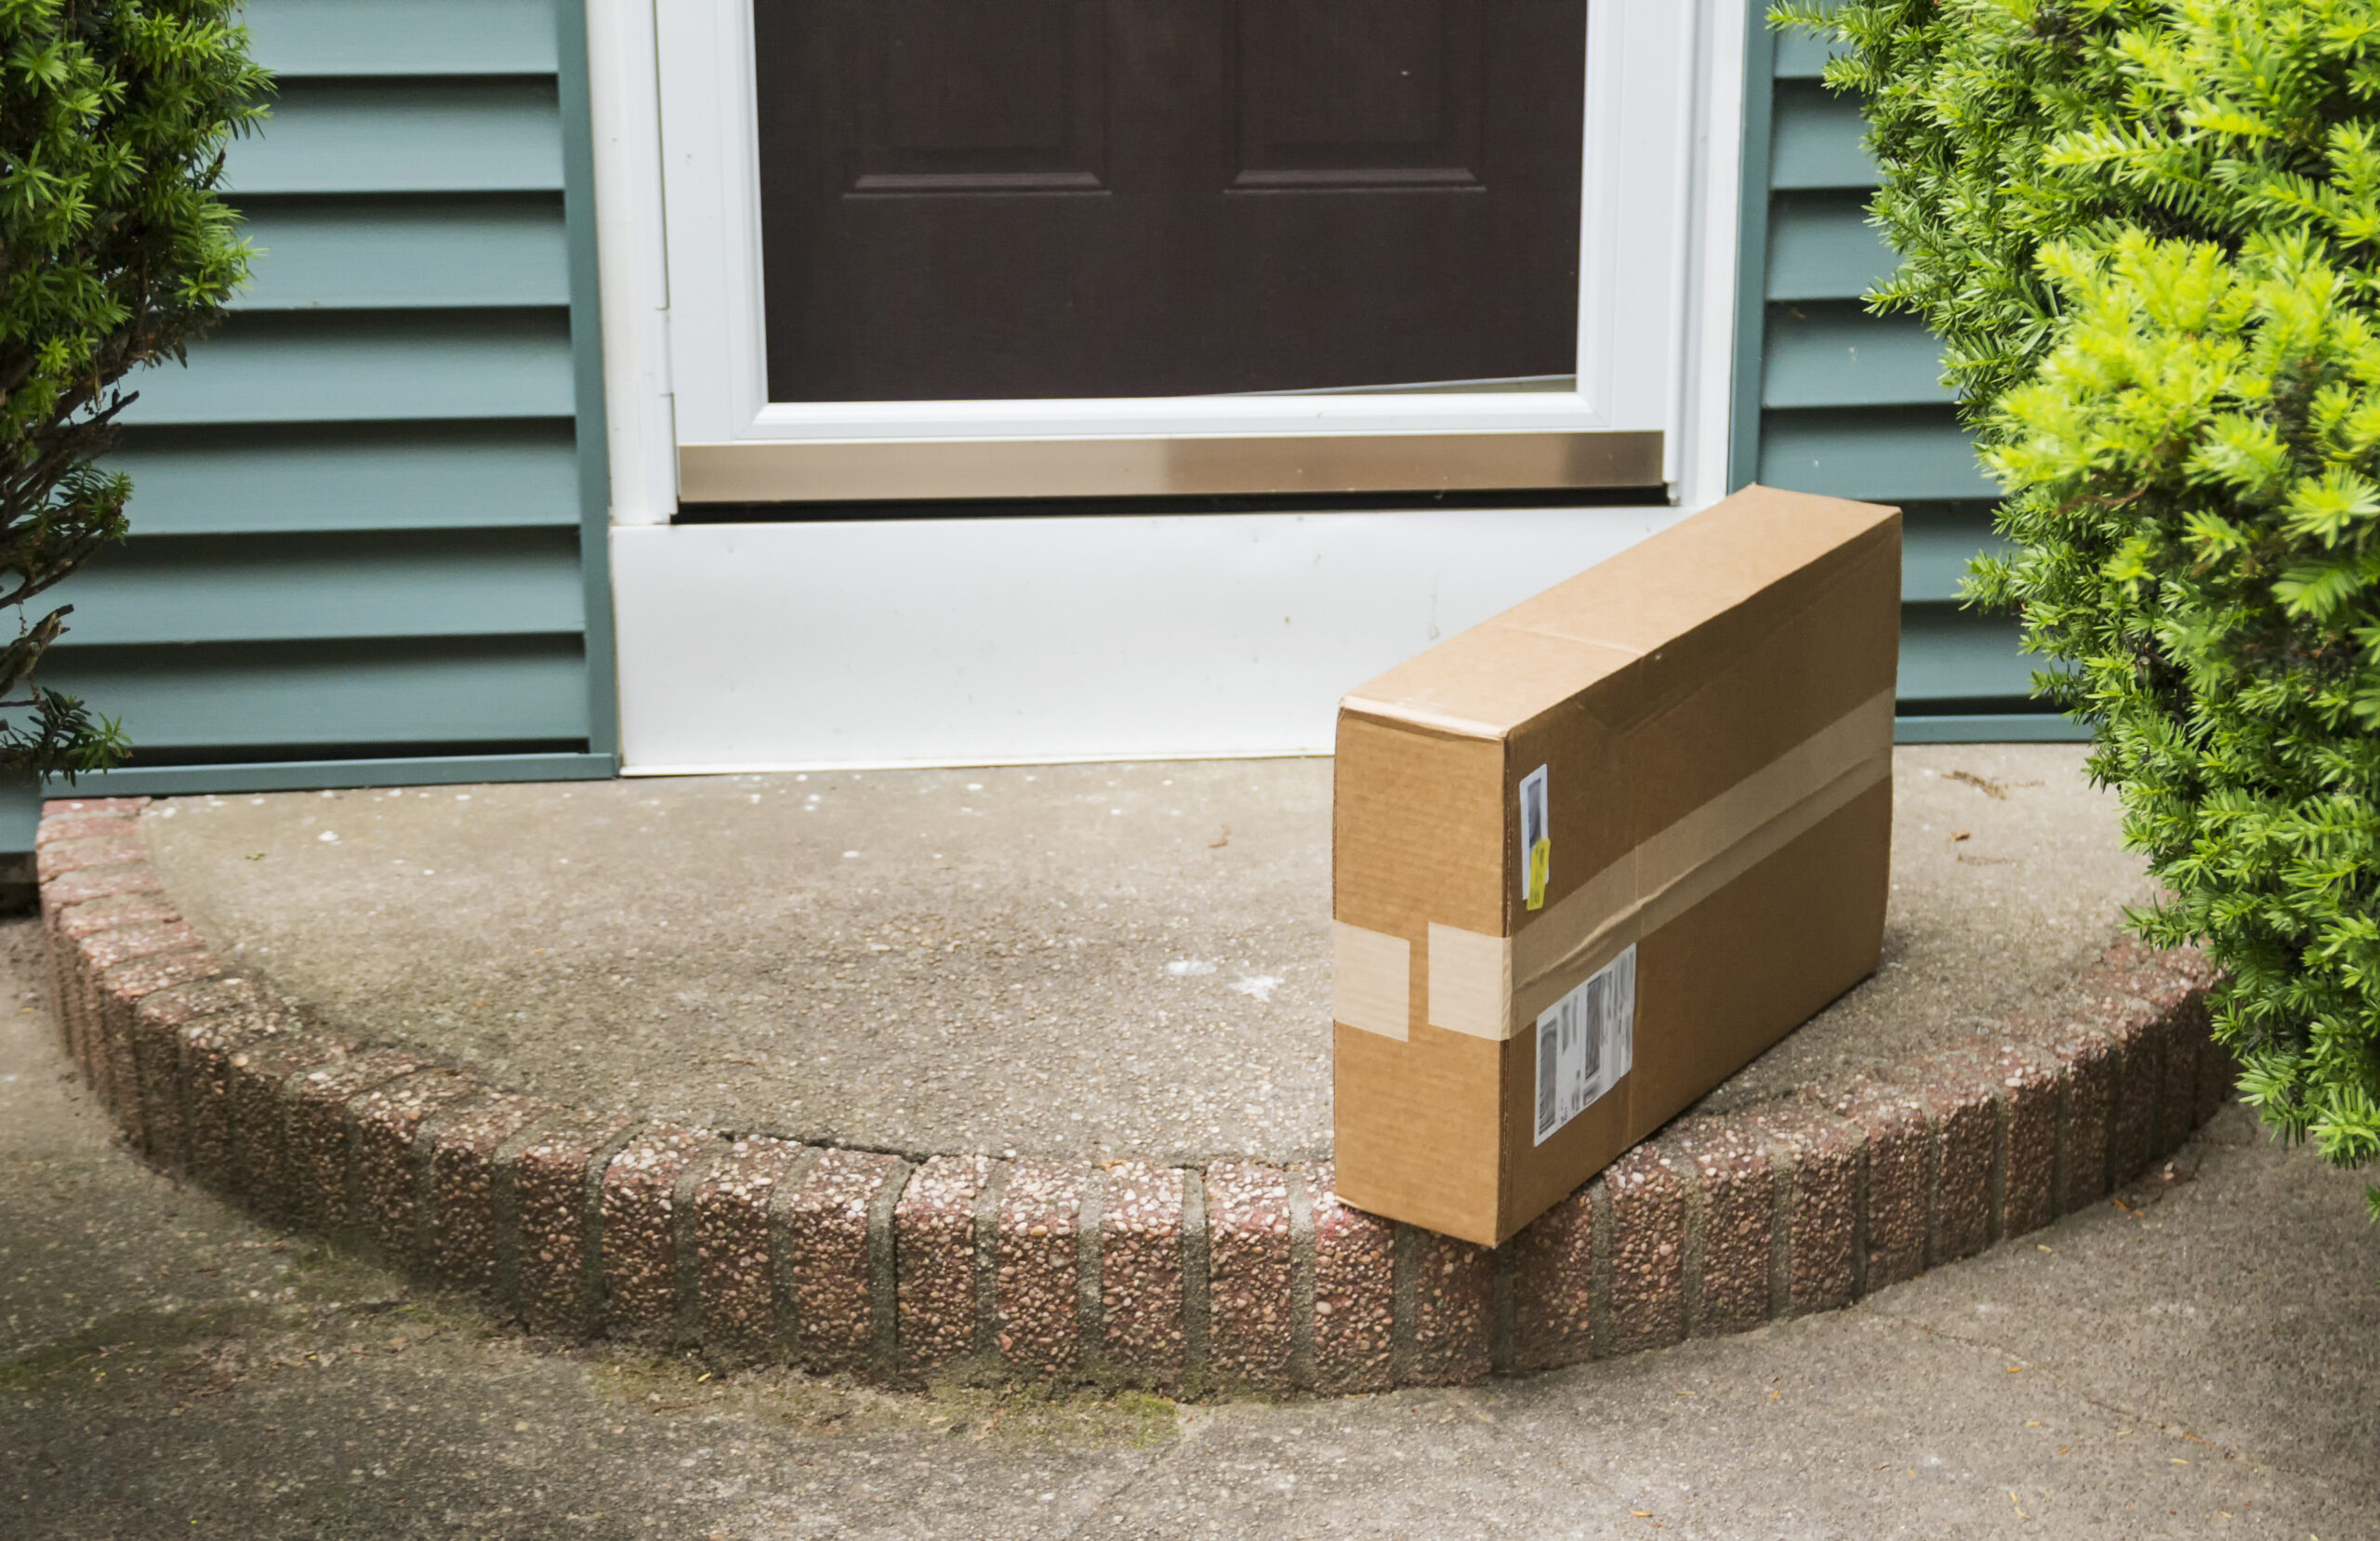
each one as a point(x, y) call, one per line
point(1241, 1275)
point(1248, 1336)
point(1141, 1272)
point(938, 1294)
point(1355, 1294)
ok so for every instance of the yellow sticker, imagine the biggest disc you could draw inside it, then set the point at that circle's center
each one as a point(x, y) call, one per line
point(1536, 837)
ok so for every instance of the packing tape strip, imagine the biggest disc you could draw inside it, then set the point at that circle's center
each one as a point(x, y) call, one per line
point(1372, 976)
point(1491, 987)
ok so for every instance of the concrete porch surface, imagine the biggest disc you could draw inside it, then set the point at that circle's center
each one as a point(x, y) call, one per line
point(2197, 1358)
point(1062, 962)
point(2200, 1361)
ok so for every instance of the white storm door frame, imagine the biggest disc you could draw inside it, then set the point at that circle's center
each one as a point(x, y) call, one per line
point(1643, 69)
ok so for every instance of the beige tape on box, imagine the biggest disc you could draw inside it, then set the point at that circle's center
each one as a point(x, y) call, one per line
point(1372, 975)
point(1491, 986)
point(1471, 978)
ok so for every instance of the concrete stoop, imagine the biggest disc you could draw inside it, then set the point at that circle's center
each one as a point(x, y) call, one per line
point(1234, 1275)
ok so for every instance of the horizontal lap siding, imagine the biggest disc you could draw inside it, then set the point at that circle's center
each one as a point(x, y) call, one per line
point(367, 367)
point(408, 251)
point(454, 39)
point(359, 585)
point(1839, 401)
point(360, 531)
point(250, 479)
point(352, 136)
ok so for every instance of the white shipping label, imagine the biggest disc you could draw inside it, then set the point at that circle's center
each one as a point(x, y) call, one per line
point(1586, 1043)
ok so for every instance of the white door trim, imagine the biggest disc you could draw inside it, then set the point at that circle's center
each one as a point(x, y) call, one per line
point(749, 647)
point(624, 102)
point(811, 645)
point(1646, 61)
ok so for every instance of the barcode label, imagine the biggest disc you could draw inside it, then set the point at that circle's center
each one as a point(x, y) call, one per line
point(1585, 1044)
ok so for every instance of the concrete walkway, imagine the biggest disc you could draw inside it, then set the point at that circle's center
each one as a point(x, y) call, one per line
point(2200, 1360)
point(1064, 962)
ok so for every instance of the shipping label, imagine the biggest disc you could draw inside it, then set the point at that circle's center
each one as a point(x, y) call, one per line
point(1586, 1043)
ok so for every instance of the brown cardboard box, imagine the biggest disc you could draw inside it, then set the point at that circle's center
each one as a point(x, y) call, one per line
point(1593, 856)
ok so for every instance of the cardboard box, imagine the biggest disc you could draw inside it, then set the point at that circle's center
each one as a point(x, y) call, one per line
point(1593, 856)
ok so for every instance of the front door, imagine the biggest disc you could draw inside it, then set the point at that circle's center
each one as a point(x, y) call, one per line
point(1057, 199)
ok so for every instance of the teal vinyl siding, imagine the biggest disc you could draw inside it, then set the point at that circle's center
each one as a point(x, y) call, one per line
point(1884, 454)
point(418, 253)
point(249, 479)
point(351, 136)
point(1833, 353)
point(388, 39)
point(374, 366)
point(443, 693)
point(1830, 399)
point(297, 588)
point(1814, 140)
point(1821, 246)
point(368, 521)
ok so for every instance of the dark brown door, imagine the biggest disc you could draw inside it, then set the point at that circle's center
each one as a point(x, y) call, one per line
point(979, 199)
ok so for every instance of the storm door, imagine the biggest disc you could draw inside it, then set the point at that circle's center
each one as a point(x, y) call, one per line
point(1042, 199)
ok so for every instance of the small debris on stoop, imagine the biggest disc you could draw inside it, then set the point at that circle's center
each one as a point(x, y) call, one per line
point(1957, 835)
point(1984, 785)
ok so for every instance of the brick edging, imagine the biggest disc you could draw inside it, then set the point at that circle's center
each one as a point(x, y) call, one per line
point(747, 1246)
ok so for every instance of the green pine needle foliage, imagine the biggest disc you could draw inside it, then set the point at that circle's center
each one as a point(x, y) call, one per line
point(2149, 234)
point(115, 250)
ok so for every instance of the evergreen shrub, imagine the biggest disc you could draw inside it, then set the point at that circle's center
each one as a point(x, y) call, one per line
point(115, 250)
point(2149, 234)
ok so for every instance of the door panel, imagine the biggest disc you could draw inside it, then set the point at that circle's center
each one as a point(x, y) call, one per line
point(1357, 93)
point(986, 199)
point(961, 95)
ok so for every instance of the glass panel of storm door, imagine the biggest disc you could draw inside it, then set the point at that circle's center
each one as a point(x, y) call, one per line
point(1004, 199)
